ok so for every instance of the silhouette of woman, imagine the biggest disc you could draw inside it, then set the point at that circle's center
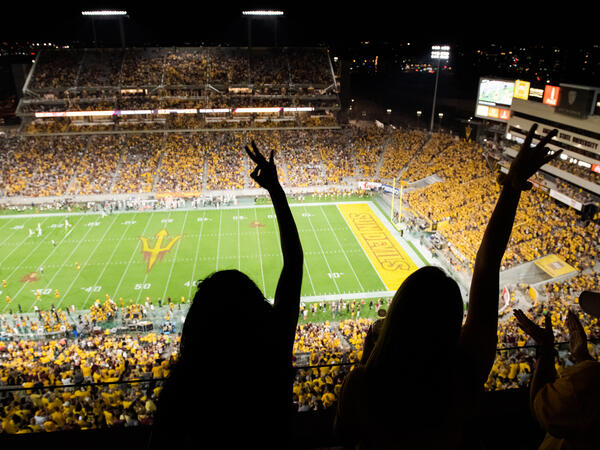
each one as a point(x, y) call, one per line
point(232, 384)
point(420, 383)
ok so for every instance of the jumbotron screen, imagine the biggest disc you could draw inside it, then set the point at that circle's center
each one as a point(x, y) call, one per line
point(494, 99)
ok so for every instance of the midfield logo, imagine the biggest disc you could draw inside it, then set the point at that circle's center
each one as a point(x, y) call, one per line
point(151, 255)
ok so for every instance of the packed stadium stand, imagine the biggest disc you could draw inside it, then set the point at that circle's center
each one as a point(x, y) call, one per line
point(177, 88)
point(169, 121)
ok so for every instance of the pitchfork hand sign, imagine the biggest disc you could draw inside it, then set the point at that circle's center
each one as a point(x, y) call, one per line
point(265, 173)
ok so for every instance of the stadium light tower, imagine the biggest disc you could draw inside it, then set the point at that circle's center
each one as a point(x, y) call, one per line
point(438, 53)
point(107, 14)
point(261, 14)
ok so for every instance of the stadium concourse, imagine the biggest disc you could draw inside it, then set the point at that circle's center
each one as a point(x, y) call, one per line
point(100, 364)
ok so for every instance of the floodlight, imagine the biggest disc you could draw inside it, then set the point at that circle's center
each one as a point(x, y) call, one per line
point(262, 13)
point(440, 52)
point(104, 12)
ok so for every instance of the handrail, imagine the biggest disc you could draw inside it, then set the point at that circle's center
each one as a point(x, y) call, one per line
point(162, 379)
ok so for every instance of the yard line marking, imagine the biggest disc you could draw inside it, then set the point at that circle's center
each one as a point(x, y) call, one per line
point(322, 251)
point(89, 257)
point(276, 225)
point(63, 264)
point(343, 251)
point(262, 271)
point(197, 251)
point(219, 239)
point(175, 257)
point(238, 239)
point(105, 265)
point(17, 246)
point(41, 265)
point(131, 257)
point(8, 222)
point(137, 300)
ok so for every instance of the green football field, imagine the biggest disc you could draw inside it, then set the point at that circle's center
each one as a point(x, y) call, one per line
point(160, 254)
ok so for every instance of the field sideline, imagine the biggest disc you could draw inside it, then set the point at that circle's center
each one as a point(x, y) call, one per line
point(160, 254)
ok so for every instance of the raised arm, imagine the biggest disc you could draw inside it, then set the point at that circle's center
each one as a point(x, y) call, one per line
point(544, 372)
point(479, 333)
point(287, 294)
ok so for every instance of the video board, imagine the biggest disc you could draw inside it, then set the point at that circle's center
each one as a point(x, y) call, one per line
point(494, 99)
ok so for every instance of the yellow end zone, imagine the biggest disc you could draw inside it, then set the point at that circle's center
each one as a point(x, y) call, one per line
point(389, 259)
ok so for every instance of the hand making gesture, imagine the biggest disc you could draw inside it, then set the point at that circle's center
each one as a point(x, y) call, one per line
point(265, 173)
point(479, 334)
point(529, 160)
point(542, 336)
point(577, 339)
point(287, 294)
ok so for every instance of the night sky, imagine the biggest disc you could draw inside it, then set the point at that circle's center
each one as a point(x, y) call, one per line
point(306, 23)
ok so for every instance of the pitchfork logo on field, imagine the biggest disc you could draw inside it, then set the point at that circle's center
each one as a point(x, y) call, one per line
point(151, 255)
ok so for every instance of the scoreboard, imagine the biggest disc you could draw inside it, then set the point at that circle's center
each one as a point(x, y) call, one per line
point(494, 99)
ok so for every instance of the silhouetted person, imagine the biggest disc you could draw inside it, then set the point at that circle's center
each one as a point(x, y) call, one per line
point(232, 384)
point(420, 383)
point(567, 407)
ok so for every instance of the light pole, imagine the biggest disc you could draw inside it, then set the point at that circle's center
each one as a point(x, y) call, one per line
point(419, 114)
point(438, 52)
point(441, 116)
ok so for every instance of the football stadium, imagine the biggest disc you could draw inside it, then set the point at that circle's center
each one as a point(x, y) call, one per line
point(129, 185)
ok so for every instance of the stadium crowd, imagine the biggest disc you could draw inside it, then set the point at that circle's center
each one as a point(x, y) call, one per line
point(460, 203)
point(177, 66)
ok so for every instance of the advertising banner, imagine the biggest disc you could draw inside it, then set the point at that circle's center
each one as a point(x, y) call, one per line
point(551, 95)
point(565, 199)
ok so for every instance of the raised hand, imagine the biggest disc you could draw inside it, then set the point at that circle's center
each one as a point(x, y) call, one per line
point(529, 160)
point(541, 336)
point(265, 173)
point(577, 338)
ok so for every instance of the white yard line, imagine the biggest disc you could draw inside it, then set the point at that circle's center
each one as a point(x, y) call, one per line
point(262, 270)
point(137, 300)
point(322, 251)
point(219, 240)
point(107, 262)
point(239, 244)
point(276, 226)
point(41, 265)
point(193, 280)
point(343, 251)
point(89, 257)
point(8, 237)
point(63, 264)
point(131, 258)
point(19, 245)
point(175, 257)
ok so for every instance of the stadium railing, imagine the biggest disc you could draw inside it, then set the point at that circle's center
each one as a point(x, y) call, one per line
point(143, 389)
